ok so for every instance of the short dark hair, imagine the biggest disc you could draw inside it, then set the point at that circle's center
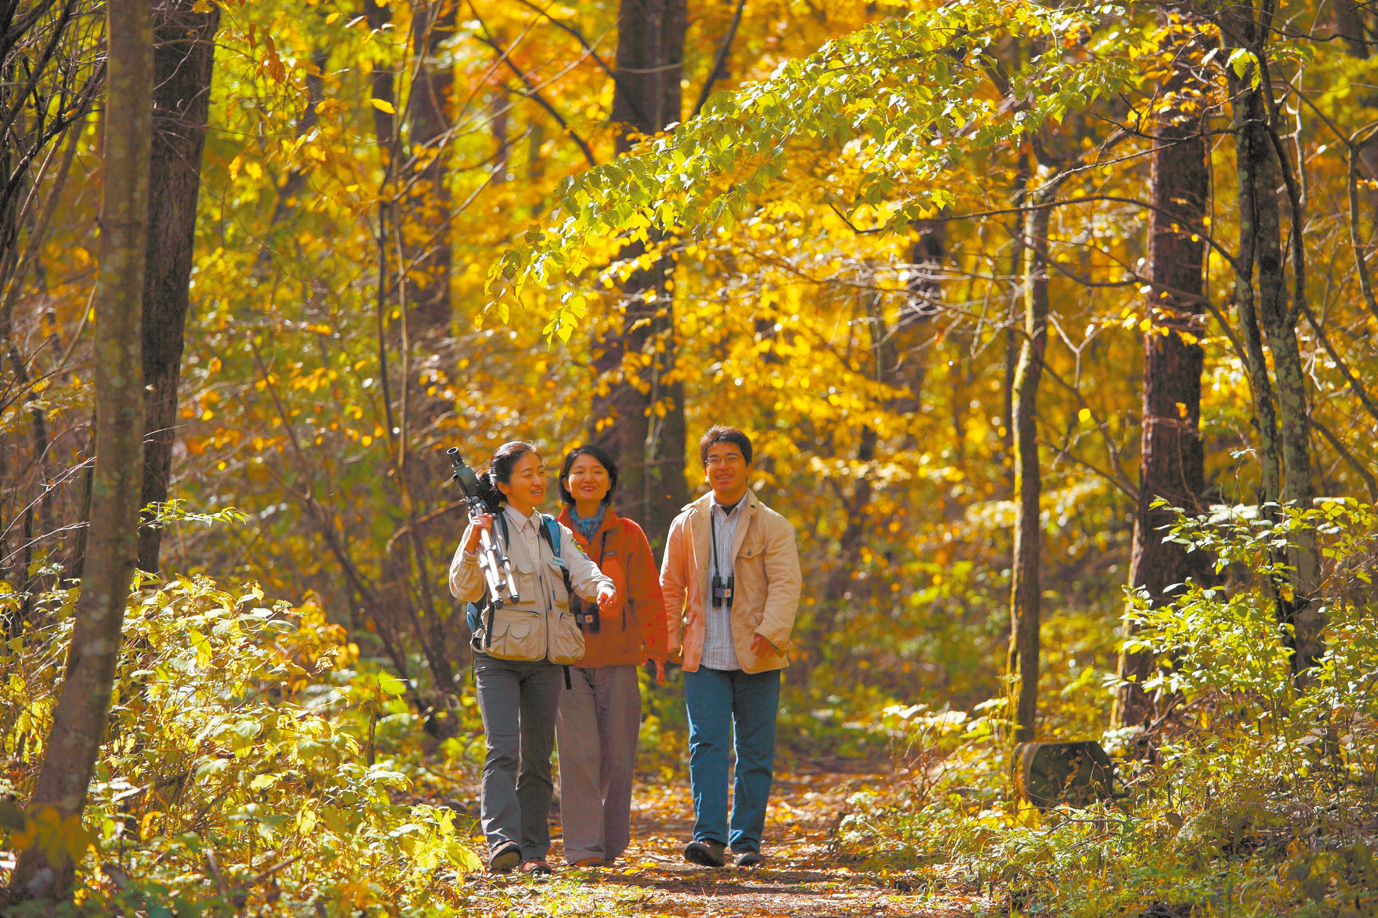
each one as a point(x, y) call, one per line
point(719, 434)
point(606, 461)
point(500, 471)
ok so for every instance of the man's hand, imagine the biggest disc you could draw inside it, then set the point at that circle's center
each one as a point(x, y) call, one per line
point(761, 645)
point(660, 671)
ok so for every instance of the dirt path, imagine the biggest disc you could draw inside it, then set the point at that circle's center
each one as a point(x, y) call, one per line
point(804, 874)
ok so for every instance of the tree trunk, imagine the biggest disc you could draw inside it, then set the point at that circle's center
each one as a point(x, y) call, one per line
point(1349, 23)
point(1012, 337)
point(428, 201)
point(183, 55)
point(83, 707)
point(912, 334)
point(1025, 591)
point(641, 418)
point(1285, 448)
point(1172, 462)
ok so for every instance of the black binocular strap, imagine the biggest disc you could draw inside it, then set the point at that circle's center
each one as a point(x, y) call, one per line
point(603, 550)
point(713, 546)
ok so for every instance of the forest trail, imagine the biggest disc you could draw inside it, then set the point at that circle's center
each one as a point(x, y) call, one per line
point(805, 874)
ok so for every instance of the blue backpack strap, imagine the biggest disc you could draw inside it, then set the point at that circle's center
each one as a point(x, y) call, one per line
point(551, 530)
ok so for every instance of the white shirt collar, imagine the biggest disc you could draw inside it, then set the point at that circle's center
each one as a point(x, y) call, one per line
point(521, 521)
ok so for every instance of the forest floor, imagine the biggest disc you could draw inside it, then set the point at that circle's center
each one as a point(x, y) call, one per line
point(806, 873)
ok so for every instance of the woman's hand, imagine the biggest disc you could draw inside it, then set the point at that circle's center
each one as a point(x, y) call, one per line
point(607, 596)
point(476, 528)
point(660, 671)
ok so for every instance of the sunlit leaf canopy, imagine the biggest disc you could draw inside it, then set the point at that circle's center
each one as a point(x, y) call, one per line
point(881, 119)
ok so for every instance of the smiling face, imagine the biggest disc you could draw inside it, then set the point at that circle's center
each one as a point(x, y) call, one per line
point(726, 471)
point(525, 490)
point(588, 482)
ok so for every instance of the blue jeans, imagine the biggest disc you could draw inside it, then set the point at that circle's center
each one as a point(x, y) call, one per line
point(739, 707)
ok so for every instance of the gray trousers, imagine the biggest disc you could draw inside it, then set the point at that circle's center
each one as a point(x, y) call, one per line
point(597, 727)
point(518, 701)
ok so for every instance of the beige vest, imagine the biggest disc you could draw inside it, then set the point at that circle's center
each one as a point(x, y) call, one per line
point(540, 626)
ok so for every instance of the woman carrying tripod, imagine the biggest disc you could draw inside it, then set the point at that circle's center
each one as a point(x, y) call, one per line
point(521, 649)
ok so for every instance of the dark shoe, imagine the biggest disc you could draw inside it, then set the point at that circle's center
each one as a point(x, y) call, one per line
point(706, 853)
point(589, 863)
point(750, 858)
point(504, 858)
point(536, 867)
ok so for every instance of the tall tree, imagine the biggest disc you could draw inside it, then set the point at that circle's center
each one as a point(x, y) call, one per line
point(426, 215)
point(641, 419)
point(1269, 315)
point(1025, 590)
point(84, 704)
point(1172, 469)
point(183, 56)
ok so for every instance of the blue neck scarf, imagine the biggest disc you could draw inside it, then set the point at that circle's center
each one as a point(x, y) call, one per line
point(587, 527)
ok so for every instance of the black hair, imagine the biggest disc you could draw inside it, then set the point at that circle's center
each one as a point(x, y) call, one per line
point(500, 471)
point(606, 461)
point(719, 434)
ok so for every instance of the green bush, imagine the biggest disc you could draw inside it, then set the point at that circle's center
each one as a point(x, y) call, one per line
point(1262, 796)
point(242, 766)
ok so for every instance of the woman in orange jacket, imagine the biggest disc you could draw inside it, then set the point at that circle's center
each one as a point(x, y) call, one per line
point(600, 708)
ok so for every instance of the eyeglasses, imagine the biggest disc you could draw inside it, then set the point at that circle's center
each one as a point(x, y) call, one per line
point(729, 459)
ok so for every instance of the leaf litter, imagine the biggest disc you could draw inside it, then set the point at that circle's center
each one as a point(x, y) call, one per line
point(806, 874)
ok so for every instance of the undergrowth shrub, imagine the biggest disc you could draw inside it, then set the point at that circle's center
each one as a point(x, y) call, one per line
point(242, 770)
point(1262, 800)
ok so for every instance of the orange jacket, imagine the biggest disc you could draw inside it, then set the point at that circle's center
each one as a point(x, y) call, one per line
point(639, 631)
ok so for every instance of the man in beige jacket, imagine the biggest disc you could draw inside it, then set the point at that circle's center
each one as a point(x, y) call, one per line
point(731, 582)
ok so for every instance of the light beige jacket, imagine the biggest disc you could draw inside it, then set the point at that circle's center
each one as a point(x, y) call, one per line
point(765, 563)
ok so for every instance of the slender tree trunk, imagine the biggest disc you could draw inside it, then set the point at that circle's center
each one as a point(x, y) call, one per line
point(1172, 462)
point(184, 52)
point(1300, 603)
point(382, 86)
point(1012, 337)
point(641, 417)
point(1025, 591)
point(295, 182)
point(911, 334)
point(83, 707)
point(418, 219)
point(855, 507)
point(1284, 444)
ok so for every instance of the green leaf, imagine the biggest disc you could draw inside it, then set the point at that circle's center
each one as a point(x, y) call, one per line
point(391, 685)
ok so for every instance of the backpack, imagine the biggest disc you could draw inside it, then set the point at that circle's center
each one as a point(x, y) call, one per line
point(479, 615)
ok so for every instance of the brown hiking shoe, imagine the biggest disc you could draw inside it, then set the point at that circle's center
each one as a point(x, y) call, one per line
point(706, 853)
point(504, 858)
